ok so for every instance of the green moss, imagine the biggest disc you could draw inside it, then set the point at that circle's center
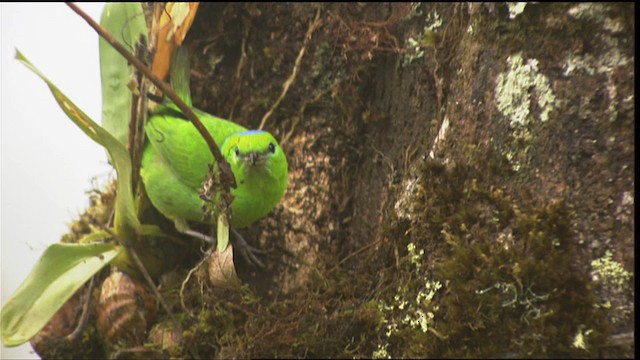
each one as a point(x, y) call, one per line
point(465, 266)
point(328, 319)
point(101, 203)
point(510, 284)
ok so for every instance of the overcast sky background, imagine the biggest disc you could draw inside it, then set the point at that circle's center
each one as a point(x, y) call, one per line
point(46, 162)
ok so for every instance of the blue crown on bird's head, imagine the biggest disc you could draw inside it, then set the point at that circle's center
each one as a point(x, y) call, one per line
point(251, 132)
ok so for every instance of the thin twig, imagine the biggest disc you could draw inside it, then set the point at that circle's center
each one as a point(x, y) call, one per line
point(228, 180)
point(184, 285)
point(85, 313)
point(296, 68)
point(137, 115)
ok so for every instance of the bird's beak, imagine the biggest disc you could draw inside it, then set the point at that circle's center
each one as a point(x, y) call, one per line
point(254, 158)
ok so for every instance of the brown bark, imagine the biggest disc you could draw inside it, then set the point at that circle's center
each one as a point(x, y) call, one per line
point(530, 180)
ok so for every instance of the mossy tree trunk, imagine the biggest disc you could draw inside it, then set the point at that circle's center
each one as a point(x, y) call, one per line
point(492, 225)
point(458, 173)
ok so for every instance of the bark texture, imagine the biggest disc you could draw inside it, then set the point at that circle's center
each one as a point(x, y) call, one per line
point(461, 181)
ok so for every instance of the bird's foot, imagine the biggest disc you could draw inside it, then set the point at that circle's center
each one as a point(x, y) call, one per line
point(247, 251)
point(210, 239)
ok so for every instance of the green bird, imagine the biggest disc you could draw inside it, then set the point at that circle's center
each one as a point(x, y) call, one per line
point(176, 161)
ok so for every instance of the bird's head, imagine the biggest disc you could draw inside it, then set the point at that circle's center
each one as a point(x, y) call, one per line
point(254, 153)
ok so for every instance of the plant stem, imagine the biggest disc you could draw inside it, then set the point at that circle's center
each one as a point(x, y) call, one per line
point(228, 180)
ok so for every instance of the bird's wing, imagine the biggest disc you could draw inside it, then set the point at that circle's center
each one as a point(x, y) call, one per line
point(173, 198)
point(180, 144)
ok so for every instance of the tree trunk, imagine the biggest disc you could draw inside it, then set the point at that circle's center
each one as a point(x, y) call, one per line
point(461, 180)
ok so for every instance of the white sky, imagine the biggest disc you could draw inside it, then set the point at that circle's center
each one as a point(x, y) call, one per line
point(46, 162)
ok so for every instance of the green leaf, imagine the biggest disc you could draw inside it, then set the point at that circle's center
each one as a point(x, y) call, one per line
point(125, 22)
point(103, 235)
point(96, 237)
point(62, 269)
point(126, 221)
point(223, 233)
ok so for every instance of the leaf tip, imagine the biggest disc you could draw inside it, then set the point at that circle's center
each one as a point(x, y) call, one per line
point(19, 55)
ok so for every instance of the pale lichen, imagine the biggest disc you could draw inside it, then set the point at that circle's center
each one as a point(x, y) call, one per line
point(515, 9)
point(602, 65)
point(407, 311)
point(515, 90)
point(433, 21)
point(415, 256)
point(428, 37)
point(611, 272)
point(614, 287)
point(580, 340)
point(405, 208)
point(606, 38)
point(415, 52)
point(381, 352)
point(518, 85)
point(414, 11)
point(592, 11)
point(531, 305)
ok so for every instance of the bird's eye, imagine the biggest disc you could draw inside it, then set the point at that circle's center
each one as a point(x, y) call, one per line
point(272, 148)
point(237, 152)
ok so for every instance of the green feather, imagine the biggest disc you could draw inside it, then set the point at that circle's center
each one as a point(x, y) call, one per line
point(176, 161)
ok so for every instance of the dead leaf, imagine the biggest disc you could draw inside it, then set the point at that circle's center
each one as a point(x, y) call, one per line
point(222, 272)
point(170, 26)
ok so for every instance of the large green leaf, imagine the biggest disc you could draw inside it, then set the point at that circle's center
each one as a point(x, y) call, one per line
point(125, 22)
point(126, 221)
point(61, 270)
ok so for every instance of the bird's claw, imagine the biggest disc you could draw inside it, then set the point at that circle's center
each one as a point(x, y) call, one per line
point(247, 251)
